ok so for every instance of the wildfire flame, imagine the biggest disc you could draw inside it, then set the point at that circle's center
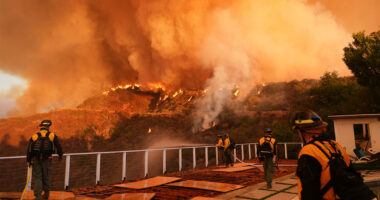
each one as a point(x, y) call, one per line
point(149, 130)
point(156, 86)
point(179, 92)
point(133, 86)
point(127, 86)
point(213, 124)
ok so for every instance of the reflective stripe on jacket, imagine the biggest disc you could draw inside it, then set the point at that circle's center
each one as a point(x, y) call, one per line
point(316, 153)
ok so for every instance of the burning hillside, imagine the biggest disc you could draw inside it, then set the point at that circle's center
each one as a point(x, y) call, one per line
point(68, 51)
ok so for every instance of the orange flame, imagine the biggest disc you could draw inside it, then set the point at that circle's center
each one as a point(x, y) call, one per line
point(127, 86)
point(149, 130)
point(156, 86)
point(236, 93)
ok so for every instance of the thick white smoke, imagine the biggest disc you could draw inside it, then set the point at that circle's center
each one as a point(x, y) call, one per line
point(225, 52)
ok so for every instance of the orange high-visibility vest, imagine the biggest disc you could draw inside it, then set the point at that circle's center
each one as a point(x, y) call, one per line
point(316, 153)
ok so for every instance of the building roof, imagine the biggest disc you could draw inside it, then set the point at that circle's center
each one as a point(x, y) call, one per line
point(356, 116)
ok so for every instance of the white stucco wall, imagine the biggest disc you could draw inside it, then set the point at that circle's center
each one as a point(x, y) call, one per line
point(344, 132)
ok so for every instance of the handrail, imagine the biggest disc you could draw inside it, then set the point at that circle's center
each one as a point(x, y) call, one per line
point(146, 156)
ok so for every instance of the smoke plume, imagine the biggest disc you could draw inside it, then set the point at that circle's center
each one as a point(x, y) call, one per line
point(70, 50)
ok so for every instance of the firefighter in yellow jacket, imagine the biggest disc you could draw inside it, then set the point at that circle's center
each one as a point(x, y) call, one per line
point(39, 155)
point(220, 146)
point(314, 160)
point(267, 152)
point(227, 150)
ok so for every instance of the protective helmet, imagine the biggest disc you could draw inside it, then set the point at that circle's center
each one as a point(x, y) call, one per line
point(268, 130)
point(226, 135)
point(45, 123)
point(220, 136)
point(306, 120)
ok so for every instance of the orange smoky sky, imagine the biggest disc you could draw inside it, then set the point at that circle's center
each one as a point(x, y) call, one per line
point(70, 50)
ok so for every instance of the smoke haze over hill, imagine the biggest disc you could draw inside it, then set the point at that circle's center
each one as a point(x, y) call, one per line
point(70, 50)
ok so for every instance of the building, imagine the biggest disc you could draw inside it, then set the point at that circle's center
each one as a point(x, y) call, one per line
point(357, 131)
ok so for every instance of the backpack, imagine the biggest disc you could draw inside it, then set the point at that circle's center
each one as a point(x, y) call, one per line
point(232, 144)
point(42, 148)
point(347, 182)
point(266, 148)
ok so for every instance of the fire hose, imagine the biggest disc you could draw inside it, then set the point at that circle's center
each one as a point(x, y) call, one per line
point(27, 182)
point(255, 165)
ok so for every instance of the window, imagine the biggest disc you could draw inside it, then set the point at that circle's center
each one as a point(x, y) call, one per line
point(358, 131)
point(361, 133)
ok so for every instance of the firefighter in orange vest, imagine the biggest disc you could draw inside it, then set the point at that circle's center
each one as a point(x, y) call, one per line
point(313, 171)
point(39, 155)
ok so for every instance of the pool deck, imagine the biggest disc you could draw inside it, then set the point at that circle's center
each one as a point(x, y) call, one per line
point(285, 188)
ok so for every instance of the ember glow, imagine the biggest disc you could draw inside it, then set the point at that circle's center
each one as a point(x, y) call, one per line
point(70, 50)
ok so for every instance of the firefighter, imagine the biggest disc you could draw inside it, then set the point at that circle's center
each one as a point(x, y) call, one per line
point(314, 161)
point(227, 150)
point(267, 152)
point(39, 155)
point(220, 146)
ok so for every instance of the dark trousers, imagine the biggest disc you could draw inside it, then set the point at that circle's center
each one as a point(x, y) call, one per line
point(227, 155)
point(41, 177)
point(221, 155)
point(268, 169)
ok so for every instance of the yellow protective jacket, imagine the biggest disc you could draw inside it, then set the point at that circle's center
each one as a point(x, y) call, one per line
point(316, 153)
point(43, 133)
point(227, 143)
point(220, 143)
point(272, 143)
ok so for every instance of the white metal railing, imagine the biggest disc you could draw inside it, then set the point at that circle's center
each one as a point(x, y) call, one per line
point(146, 155)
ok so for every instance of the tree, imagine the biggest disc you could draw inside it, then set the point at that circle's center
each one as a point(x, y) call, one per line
point(362, 57)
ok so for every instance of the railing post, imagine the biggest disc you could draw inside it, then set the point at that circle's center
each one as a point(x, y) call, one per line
point(249, 152)
point(179, 159)
point(286, 150)
point(146, 164)
point(164, 161)
point(124, 168)
point(98, 169)
point(29, 174)
point(242, 151)
point(206, 156)
point(67, 173)
point(194, 158)
point(235, 155)
point(216, 156)
point(255, 150)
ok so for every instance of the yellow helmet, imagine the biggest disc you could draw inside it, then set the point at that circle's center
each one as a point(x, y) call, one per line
point(307, 120)
point(45, 123)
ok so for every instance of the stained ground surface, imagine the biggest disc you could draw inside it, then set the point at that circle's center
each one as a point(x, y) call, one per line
point(246, 178)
